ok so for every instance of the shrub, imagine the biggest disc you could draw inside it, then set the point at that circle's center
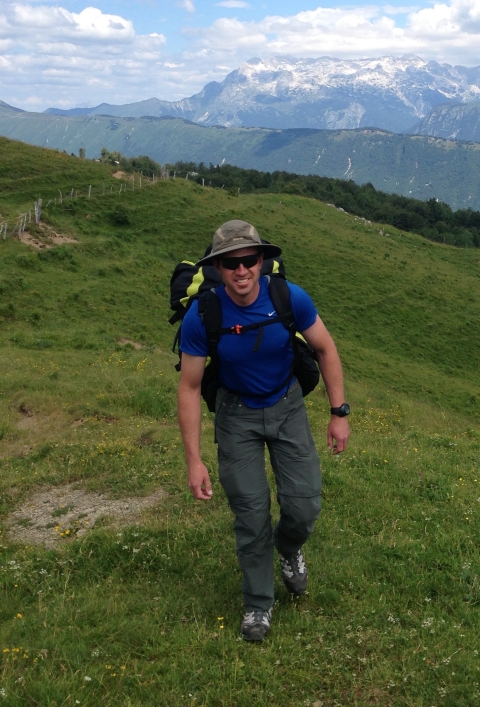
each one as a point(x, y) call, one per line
point(120, 216)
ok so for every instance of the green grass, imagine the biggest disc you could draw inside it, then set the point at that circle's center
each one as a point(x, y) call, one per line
point(149, 614)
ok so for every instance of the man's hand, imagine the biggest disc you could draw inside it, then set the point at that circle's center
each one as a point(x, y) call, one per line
point(338, 432)
point(199, 482)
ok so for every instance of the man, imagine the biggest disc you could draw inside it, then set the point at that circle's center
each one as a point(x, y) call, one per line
point(260, 403)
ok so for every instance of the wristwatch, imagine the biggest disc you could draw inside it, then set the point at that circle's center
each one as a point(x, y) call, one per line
point(342, 411)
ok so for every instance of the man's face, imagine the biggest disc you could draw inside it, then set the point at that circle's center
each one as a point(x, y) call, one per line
point(242, 283)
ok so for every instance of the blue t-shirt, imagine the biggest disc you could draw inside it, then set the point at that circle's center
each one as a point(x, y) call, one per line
point(259, 372)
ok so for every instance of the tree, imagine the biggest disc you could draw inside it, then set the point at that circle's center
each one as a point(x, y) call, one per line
point(81, 153)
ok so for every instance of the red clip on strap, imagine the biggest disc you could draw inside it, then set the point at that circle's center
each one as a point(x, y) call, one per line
point(237, 329)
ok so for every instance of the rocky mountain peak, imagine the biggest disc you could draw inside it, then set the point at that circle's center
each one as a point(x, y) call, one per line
point(283, 91)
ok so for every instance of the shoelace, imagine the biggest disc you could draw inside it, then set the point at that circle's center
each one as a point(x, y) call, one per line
point(293, 565)
point(258, 617)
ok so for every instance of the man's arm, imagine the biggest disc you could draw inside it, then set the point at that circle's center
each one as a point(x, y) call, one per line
point(190, 419)
point(331, 369)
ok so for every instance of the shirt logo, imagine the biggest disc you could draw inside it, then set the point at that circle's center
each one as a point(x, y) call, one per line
point(270, 314)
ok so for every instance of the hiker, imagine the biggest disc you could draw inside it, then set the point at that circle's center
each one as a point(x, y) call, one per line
point(259, 403)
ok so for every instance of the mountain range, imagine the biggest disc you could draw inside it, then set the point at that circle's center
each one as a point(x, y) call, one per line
point(392, 93)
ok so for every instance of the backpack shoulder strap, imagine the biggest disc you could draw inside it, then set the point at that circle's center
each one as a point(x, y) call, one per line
point(280, 296)
point(210, 312)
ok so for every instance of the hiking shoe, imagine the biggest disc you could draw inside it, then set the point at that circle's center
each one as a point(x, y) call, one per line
point(256, 625)
point(294, 573)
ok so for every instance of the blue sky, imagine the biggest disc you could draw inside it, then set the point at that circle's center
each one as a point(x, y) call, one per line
point(69, 52)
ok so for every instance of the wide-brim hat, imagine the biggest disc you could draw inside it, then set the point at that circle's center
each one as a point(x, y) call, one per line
point(234, 235)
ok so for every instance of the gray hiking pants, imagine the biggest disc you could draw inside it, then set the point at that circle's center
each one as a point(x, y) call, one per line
point(242, 433)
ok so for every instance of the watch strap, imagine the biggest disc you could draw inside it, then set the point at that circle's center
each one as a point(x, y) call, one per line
point(341, 411)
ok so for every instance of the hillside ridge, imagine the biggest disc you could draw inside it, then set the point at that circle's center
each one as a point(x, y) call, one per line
point(396, 281)
point(409, 165)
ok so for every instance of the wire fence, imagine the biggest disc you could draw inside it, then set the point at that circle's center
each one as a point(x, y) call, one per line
point(138, 181)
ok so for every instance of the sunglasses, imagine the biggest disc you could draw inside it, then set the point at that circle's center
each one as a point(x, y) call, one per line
point(248, 261)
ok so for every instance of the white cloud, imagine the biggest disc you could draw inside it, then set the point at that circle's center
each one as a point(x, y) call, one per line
point(399, 9)
point(231, 35)
point(90, 25)
point(232, 3)
point(67, 57)
point(444, 32)
point(458, 21)
point(330, 31)
point(187, 5)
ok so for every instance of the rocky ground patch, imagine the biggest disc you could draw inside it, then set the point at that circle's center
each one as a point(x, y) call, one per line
point(63, 513)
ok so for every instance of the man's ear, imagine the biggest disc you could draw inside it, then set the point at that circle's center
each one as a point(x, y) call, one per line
point(217, 265)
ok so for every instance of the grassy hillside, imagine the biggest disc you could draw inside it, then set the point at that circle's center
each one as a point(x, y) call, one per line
point(410, 165)
point(148, 614)
point(413, 303)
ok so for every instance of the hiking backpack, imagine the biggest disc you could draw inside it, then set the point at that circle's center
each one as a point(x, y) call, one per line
point(190, 282)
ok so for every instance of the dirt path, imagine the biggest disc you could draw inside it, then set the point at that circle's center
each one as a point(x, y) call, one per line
point(63, 513)
point(49, 238)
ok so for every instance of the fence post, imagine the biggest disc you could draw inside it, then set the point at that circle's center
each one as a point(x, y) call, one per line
point(38, 211)
point(89, 190)
point(61, 198)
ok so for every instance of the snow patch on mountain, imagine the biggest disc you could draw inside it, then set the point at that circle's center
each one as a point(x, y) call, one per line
point(286, 92)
